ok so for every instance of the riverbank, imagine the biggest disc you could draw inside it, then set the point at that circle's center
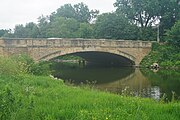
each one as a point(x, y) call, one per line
point(165, 55)
point(27, 93)
point(38, 97)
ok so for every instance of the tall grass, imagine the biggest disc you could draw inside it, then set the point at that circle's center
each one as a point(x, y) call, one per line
point(22, 64)
point(9, 67)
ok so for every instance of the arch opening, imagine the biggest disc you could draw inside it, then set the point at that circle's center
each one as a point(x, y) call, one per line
point(105, 59)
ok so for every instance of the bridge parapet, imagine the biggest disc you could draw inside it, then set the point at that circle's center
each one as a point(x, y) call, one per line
point(25, 42)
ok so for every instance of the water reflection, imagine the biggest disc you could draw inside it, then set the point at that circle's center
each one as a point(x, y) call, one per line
point(122, 80)
point(135, 84)
point(167, 80)
point(100, 75)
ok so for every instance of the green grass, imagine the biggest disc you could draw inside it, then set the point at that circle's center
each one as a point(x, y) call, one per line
point(26, 97)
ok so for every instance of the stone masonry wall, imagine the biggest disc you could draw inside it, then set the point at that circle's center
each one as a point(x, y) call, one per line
point(45, 49)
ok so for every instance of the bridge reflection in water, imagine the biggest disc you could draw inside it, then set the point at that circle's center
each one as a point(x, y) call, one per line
point(135, 84)
point(114, 80)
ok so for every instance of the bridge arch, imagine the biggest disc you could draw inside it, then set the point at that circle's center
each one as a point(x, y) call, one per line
point(46, 49)
point(72, 51)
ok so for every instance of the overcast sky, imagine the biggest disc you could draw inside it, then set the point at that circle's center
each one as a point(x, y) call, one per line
point(13, 12)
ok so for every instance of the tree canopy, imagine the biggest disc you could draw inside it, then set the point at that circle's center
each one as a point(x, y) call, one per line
point(79, 11)
point(140, 12)
point(173, 35)
point(133, 19)
point(114, 26)
point(30, 30)
point(3, 32)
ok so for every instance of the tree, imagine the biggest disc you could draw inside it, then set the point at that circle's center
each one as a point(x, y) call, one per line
point(83, 14)
point(146, 13)
point(29, 31)
point(85, 30)
point(147, 34)
point(65, 22)
point(32, 30)
point(43, 25)
point(66, 11)
point(114, 26)
point(169, 14)
point(173, 35)
point(141, 12)
point(3, 32)
point(79, 11)
point(19, 31)
point(63, 28)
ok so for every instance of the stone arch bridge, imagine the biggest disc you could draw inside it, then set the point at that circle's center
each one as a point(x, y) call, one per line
point(46, 49)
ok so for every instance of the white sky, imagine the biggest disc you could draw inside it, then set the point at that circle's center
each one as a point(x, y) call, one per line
point(13, 12)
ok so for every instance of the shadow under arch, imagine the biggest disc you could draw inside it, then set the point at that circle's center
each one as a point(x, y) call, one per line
point(97, 56)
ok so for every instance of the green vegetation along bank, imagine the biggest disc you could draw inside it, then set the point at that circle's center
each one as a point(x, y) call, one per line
point(166, 55)
point(26, 96)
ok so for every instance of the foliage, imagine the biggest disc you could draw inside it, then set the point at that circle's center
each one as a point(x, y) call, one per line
point(67, 22)
point(169, 14)
point(41, 68)
point(147, 34)
point(63, 27)
point(66, 11)
point(114, 26)
point(22, 64)
point(10, 67)
point(142, 12)
point(83, 14)
point(85, 30)
point(146, 13)
point(7, 104)
point(165, 55)
point(3, 32)
point(133, 19)
point(27, 31)
point(79, 12)
point(43, 25)
point(173, 35)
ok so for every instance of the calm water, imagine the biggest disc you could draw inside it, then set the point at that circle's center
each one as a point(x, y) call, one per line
point(136, 82)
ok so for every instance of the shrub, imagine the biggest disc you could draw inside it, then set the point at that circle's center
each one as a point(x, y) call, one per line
point(22, 64)
point(164, 55)
point(41, 68)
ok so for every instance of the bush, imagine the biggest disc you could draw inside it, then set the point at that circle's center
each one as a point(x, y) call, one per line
point(22, 64)
point(41, 68)
point(164, 55)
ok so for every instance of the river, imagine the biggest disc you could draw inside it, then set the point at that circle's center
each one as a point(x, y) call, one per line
point(158, 85)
